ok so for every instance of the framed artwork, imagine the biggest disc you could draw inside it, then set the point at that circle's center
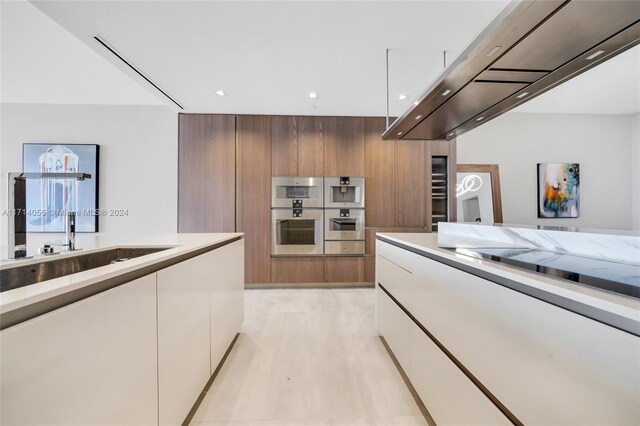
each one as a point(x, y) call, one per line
point(558, 190)
point(48, 199)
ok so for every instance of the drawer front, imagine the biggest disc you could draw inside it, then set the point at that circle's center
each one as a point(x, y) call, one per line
point(528, 353)
point(449, 395)
point(395, 326)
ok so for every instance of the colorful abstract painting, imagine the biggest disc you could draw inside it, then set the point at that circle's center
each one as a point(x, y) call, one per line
point(558, 190)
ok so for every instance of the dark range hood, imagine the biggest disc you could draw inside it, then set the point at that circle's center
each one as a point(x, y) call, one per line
point(531, 47)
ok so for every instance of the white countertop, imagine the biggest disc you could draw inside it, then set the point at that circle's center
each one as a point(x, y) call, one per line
point(619, 305)
point(181, 244)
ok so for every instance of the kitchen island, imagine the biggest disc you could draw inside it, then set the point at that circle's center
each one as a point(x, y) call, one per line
point(487, 343)
point(132, 342)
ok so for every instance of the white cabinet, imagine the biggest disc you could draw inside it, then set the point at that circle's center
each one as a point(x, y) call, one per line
point(450, 397)
point(395, 326)
point(227, 298)
point(139, 354)
point(546, 364)
point(200, 310)
point(92, 362)
point(183, 336)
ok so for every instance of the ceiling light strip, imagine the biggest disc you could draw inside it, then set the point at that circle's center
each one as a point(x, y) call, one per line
point(106, 46)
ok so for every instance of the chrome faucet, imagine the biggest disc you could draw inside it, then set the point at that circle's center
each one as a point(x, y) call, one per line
point(70, 230)
point(18, 211)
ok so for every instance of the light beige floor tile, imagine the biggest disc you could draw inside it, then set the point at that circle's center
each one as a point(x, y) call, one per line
point(309, 357)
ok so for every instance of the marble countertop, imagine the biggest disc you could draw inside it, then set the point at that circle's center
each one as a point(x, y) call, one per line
point(181, 245)
point(621, 306)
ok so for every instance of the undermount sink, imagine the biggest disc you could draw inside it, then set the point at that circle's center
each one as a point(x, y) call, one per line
point(48, 269)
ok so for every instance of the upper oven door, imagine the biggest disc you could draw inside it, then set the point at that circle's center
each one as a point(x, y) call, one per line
point(344, 224)
point(344, 192)
point(296, 232)
point(300, 192)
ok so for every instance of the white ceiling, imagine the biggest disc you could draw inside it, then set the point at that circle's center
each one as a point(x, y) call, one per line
point(43, 63)
point(266, 55)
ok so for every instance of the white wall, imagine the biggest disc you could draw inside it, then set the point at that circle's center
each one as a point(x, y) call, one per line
point(600, 143)
point(635, 170)
point(138, 158)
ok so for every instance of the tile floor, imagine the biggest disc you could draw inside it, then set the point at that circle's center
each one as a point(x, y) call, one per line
point(309, 357)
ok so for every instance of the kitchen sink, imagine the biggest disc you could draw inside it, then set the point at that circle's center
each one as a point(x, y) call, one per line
point(23, 275)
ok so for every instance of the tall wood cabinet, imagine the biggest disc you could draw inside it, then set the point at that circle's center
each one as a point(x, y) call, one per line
point(343, 146)
point(398, 185)
point(225, 168)
point(297, 146)
point(253, 194)
point(206, 150)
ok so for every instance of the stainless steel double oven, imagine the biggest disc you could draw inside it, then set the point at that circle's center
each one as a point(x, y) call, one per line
point(297, 216)
point(316, 216)
point(344, 215)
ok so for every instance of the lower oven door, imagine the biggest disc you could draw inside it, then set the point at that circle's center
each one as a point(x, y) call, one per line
point(344, 224)
point(296, 232)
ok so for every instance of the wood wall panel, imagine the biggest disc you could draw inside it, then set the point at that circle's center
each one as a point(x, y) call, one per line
point(253, 215)
point(397, 183)
point(310, 146)
point(380, 175)
point(370, 269)
point(284, 146)
point(297, 270)
point(411, 183)
point(344, 269)
point(206, 173)
point(343, 146)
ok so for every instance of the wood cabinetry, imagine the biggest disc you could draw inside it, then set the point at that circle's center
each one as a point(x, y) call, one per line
point(344, 269)
point(343, 146)
point(310, 146)
point(297, 270)
point(296, 146)
point(218, 152)
point(253, 194)
point(207, 153)
point(398, 178)
point(284, 146)
point(380, 175)
point(411, 183)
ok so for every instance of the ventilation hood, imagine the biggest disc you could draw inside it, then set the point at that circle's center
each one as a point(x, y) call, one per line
point(531, 47)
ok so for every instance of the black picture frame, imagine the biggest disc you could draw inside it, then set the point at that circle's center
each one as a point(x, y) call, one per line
point(89, 162)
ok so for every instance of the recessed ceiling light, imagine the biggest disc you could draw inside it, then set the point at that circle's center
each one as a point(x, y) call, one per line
point(221, 93)
point(402, 97)
point(416, 102)
point(452, 133)
point(479, 118)
point(313, 95)
point(493, 51)
point(418, 117)
point(594, 54)
point(399, 133)
point(522, 95)
point(446, 92)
